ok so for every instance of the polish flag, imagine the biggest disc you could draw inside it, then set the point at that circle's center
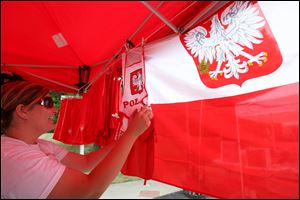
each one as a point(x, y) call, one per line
point(226, 103)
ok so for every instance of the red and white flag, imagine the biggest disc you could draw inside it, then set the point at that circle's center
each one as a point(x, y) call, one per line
point(134, 94)
point(226, 103)
point(140, 160)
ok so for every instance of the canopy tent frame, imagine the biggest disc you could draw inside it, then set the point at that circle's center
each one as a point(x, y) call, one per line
point(142, 24)
point(52, 81)
point(107, 62)
point(160, 16)
point(129, 38)
point(202, 15)
point(38, 66)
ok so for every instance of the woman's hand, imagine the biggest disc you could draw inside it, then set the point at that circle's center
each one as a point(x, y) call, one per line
point(140, 121)
point(74, 184)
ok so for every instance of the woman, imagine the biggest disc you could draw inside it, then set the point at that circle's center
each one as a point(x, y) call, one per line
point(34, 168)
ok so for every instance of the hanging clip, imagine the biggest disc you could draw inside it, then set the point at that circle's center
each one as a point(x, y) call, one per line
point(84, 76)
point(129, 44)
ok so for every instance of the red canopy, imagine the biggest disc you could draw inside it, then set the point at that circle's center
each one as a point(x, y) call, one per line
point(46, 41)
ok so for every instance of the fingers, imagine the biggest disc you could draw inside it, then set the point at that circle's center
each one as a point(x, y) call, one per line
point(147, 111)
point(140, 120)
point(150, 114)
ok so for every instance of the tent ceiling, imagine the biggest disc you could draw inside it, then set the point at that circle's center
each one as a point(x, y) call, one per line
point(55, 37)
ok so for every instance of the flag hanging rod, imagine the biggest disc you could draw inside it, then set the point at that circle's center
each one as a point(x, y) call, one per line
point(52, 81)
point(102, 71)
point(36, 66)
point(215, 5)
point(109, 61)
point(100, 62)
point(174, 28)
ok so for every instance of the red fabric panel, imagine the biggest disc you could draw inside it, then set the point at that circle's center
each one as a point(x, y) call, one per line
point(81, 121)
point(90, 120)
point(244, 146)
point(112, 99)
point(140, 161)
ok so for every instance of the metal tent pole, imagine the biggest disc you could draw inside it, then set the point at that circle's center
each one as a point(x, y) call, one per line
point(56, 82)
point(133, 34)
point(172, 26)
point(144, 22)
point(154, 32)
point(215, 5)
point(37, 66)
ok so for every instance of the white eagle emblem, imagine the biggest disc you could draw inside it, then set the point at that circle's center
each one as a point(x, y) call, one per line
point(242, 24)
point(137, 82)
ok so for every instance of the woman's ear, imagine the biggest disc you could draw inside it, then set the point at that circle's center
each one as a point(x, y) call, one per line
point(22, 111)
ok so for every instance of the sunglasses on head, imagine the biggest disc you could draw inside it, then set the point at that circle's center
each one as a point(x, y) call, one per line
point(47, 102)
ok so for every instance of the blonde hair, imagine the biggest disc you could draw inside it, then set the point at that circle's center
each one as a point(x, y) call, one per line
point(15, 93)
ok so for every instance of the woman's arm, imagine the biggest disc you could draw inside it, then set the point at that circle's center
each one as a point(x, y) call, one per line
point(86, 163)
point(74, 184)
